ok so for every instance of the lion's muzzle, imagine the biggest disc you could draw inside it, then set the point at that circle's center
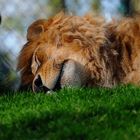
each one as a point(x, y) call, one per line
point(72, 74)
point(38, 85)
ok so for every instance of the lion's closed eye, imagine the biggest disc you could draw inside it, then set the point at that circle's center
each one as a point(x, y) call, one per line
point(57, 65)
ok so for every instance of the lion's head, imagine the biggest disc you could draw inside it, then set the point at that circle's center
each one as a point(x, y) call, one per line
point(63, 51)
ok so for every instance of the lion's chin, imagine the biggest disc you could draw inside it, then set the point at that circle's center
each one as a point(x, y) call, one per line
point(73, 74)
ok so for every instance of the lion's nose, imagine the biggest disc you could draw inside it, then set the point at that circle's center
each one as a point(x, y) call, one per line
point(38, 85)
point(38, 82)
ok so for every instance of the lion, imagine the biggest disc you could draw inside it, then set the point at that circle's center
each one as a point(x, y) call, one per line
point(68, 50)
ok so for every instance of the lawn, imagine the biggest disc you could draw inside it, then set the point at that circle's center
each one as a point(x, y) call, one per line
point(72, 114)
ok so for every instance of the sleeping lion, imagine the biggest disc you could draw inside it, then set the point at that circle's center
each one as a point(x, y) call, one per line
point(80, 51)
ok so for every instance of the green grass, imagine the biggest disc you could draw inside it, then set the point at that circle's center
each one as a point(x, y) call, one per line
point(74, 114)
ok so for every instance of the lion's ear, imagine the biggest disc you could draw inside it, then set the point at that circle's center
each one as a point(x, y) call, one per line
point(34, 32)
point(37, 28)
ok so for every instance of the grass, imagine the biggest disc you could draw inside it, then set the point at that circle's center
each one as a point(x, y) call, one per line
point(74, 114)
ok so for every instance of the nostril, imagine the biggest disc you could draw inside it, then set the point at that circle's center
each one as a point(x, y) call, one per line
point(38, 85)
point(45, 89)
point(38, 82)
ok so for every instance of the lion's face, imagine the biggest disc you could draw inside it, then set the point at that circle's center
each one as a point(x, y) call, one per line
point(55, 67)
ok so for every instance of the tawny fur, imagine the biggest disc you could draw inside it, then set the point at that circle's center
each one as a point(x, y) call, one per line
point(109, 52)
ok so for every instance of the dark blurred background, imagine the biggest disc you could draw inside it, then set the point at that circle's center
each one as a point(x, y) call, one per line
point(17, 15)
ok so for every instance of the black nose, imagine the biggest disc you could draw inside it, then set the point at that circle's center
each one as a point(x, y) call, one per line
point(39, 87)
point(38, 82)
